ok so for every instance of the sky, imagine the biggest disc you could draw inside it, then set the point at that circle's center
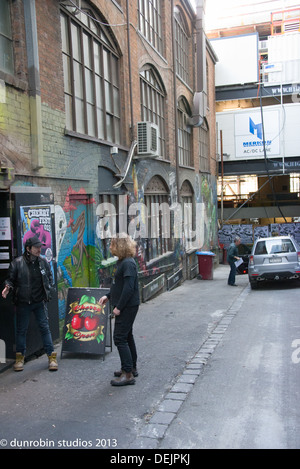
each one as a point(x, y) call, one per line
point(227, 13)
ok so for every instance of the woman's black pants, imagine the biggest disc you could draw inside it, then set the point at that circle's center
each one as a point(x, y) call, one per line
point(123, 338)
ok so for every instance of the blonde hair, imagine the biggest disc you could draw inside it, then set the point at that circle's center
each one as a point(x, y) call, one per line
point(123, 246)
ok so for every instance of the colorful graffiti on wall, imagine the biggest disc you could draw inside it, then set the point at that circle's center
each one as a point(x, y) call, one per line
point(249, 233)
point(208, 196)
point(206, 228)
point(82, 256)
point(74, 244)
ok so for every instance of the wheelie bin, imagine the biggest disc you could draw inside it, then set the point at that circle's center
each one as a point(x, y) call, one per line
point(205, 264)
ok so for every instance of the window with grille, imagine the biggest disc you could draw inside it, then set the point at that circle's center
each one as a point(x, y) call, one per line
point(153, 103)
point(91, 76)
point(184, 134)
point(182, 46)
point(6, 43)
point(150, 22)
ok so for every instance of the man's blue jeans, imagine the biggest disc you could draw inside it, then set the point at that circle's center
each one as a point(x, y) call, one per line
point(24, 311)
point(232, 273)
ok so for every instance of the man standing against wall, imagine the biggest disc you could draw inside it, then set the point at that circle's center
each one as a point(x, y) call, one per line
point(30, 278)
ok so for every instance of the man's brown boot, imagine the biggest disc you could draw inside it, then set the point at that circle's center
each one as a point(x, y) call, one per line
point(53, 365)
point(123, 380)
point(19, 364)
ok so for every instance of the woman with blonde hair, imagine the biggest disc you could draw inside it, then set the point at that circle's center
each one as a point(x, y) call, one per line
point(125, 299)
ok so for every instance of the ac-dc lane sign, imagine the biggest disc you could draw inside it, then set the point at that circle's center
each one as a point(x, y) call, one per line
point(250, 140)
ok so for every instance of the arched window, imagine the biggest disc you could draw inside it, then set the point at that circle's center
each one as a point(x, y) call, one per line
point(182, 46)
point(150, 22)
point(91, 75)
point(153, 103)
point(184, 134)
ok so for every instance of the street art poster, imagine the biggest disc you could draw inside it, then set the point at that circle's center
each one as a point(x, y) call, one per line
point(229, 232)
point(86, 322)
point(36, 221)
point(286, 229)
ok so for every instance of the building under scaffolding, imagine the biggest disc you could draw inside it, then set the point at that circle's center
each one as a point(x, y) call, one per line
point(258, 112)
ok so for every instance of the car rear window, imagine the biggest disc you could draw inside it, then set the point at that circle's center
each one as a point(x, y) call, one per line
point(274, 246)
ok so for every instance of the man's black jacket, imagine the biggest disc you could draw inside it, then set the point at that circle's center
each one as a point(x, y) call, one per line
point(19, 279)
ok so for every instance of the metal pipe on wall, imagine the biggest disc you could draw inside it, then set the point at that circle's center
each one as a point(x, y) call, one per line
point(175, 101)
point(129, 73)
point(34, 84)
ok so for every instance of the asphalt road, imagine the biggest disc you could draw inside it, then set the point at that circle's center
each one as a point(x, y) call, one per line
point(77, 404)
point(245, 395)
point(248, 396)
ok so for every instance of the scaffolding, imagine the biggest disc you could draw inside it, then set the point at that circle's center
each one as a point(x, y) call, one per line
point(285, 21)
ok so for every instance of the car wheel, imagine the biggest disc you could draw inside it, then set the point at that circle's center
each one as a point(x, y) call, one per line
point(253, 285)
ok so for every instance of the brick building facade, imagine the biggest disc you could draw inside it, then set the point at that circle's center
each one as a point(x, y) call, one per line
point(75, 79)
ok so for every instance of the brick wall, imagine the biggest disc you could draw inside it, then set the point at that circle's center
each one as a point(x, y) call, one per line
point(50, 56)
point(71, 163)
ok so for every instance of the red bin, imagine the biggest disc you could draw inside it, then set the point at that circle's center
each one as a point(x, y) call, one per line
point(205, 264)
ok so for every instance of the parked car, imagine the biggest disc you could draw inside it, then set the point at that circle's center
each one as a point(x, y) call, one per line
point(244, 253)
point(274, 258)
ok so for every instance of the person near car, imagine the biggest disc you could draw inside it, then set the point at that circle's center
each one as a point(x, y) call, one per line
point(232, 257)
point(31, 282)
point(125, 300)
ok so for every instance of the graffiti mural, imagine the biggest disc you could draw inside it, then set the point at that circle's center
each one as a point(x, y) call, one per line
point(83, 256)
point(249, 233)
point(82, 247)
point(208, 196)
point(75, 244)
point(228, 233)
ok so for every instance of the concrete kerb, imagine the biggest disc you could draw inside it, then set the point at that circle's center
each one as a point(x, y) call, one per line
point(154, 430)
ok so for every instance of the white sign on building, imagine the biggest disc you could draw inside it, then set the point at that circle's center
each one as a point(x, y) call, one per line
point(237, 59)
point(251, 131)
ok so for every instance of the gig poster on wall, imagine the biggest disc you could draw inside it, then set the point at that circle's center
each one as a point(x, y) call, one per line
point(36, 221)
point(86, 322)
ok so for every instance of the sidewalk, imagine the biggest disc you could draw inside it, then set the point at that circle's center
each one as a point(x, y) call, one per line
point(175, 334)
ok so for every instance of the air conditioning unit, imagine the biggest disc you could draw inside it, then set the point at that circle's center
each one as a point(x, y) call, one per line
point(147, 139)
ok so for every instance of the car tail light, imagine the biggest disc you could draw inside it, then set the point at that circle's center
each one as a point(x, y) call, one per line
point(251, 259)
